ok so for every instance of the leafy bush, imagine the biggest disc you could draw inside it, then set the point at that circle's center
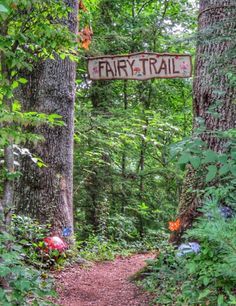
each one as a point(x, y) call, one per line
point(121, 227)
point(30, 235)
point(19, 283)
point(97, 248)
point(206, 278)
point(213, 271)
point(164, 275)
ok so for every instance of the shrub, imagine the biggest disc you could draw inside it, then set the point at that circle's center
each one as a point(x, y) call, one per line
point(32, 236)
point(209, 276)
point(212, 274)
point(20, 284)
point(97, 248)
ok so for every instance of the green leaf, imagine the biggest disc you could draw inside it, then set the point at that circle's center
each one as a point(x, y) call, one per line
point(4, 271)
point(2, 294)
point(204, 293)
point(220, 300)
point(16, 106)
point(62, 56)
point(233, 170)
point(233, 155)
point(195, 161)
point(41, 164)
point(15, 84)
point(192, 267)
point(223, 158)
point(23, 241)
point(232, 300)
point(206, 281)
point(210, 156)
point(23, 285)
point(22, 81)
point(212, 170)
point(3, 9)
point(185, 158)
point(224, 169)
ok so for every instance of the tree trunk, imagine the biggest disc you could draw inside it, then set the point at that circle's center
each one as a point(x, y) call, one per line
point(212, 88)
point(211, 85)
point(46, 193)
point(6, 203)
point(124, 157)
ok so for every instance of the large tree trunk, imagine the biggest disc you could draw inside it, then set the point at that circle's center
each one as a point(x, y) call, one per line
point(217, 24)
point(216, 41)
point(46, 193)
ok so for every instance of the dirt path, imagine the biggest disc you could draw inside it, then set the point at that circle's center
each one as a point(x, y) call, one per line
point(103, 284)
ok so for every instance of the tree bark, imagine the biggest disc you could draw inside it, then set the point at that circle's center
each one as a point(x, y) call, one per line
point(46, 193)
point(124, 157)
point(212, 88)
point(6, 203)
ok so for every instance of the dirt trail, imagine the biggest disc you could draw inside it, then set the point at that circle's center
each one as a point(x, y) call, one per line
point(103, 284)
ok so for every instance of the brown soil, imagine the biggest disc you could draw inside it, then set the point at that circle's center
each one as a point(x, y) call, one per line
point(103, 284)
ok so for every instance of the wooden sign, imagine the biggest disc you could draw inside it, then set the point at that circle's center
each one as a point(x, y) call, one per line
point(139, 66)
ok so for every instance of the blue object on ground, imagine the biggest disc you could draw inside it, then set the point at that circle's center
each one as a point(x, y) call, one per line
point(190, 247)
point(226, 212)
point(67, 231)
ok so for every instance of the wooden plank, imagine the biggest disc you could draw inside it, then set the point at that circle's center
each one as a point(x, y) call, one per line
point(140, 66)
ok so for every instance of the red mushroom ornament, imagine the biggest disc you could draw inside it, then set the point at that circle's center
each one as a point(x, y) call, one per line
point(55, 243)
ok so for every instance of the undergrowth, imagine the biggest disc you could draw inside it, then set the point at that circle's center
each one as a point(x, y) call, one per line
point(25, 261)
point(99, 248)
point(20, 284)
point(204, 278)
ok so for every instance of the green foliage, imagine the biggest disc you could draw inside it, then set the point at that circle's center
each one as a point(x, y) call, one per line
point(3, 9)
point(207, 278)
point(211, 274)
point(29, 234)
point(97, 248)
point(214, 267)
point(21, 284)
point(14, 123)
point(101, 142)
point(164, 275)
point(126, 182)
point(33, 30)
point(216, 167)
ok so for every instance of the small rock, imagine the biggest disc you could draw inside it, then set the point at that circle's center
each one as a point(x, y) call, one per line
point(81, 261)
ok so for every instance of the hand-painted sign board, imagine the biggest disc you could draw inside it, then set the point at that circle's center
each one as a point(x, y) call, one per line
point(140, 66)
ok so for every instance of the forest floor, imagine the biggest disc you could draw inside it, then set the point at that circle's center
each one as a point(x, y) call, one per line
point(103, 284)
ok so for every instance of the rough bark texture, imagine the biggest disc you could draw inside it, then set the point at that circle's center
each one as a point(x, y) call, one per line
point(6, 203)
point(46, 193)
point(217, 26)
point(211, 85)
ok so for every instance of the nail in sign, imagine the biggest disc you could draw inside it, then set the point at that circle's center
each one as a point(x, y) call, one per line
point(139, 66)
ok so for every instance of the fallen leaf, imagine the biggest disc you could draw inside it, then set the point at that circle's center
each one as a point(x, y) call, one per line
point(86, 37)
point(82, 6)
